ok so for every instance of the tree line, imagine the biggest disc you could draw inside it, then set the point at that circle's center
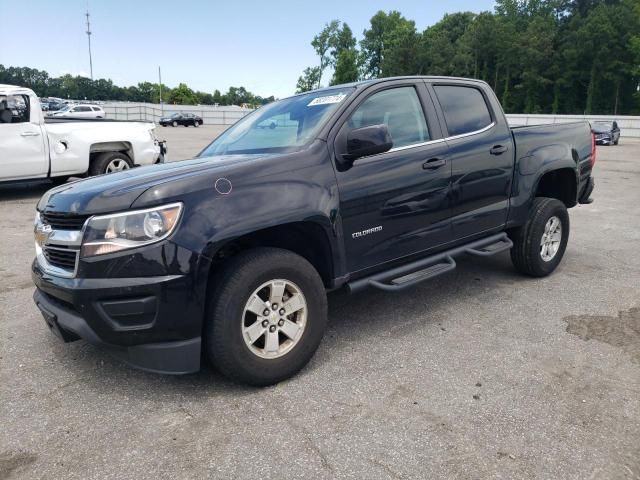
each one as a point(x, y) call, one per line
point(539, 56)
point(80, 88)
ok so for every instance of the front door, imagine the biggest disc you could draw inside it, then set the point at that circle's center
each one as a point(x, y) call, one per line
point(22, 147)
point(395, 203)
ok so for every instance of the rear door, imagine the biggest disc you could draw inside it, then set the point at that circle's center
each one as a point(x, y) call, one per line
point(481, 155)
point(395, 203)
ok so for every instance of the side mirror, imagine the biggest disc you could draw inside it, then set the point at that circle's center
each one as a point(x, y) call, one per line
point(367, 141)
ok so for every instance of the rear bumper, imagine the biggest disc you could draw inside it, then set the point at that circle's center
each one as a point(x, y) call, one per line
point(178, 357)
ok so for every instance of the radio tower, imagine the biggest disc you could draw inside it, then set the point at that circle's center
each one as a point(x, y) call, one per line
point(89, 39)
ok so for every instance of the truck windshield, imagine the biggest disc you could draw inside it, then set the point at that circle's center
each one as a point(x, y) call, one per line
point(279, 127)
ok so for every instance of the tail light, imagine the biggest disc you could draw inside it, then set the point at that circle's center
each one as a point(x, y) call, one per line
point(593, 150)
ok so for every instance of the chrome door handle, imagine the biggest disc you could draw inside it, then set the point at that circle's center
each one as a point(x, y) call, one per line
point(434, 163)
point(29, 134)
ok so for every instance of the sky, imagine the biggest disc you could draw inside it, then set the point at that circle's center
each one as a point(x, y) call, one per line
point(261, 45)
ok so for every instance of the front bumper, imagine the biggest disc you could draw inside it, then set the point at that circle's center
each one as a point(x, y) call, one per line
point(152, 323)
point(177, 358)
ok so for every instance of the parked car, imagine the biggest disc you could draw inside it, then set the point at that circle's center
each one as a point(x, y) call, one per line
point(179, 118)
point(606, 132)
point(32, 149)
point(79, 111)
point(53, 106)
point(382, 184)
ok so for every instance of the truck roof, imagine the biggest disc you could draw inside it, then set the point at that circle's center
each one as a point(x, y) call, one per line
point(371, 81)
point(12, 89)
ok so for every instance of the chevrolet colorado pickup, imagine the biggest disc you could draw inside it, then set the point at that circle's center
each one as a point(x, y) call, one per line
point(228, 257)
point(32, 148)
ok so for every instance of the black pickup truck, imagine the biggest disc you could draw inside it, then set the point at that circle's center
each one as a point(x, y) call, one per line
point(228, 256)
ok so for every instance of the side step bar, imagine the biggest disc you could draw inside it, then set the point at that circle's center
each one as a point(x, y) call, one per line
point(413, 273)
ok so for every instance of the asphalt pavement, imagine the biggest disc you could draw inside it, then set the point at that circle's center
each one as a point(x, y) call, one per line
point(481, 373)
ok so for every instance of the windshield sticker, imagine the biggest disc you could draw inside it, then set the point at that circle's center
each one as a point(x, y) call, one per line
point(327, 100)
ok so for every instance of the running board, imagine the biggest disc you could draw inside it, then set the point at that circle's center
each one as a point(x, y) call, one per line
point(413, 273)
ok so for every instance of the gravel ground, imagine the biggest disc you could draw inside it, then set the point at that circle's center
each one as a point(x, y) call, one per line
point(479, 374)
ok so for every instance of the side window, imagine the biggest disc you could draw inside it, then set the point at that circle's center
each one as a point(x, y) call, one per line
point(464, 108)
point(400, 110)
point(83, 109)
point(14, 109)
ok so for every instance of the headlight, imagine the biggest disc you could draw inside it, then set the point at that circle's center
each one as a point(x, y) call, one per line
point(112, 233)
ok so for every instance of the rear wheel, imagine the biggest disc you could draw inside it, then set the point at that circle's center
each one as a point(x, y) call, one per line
point(538, 246)
point(110, 162)
point(266, 316)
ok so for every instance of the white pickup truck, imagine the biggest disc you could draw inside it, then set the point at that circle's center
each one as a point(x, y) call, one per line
point(31, 149)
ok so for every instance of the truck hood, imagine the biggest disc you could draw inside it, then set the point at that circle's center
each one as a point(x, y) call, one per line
point(118, 191)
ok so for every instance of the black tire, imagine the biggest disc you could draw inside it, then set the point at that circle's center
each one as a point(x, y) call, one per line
point(174, 124)
point(59, 180)
point(196, 124)
point(100, 163)
point(232, 286)
point(526, 253)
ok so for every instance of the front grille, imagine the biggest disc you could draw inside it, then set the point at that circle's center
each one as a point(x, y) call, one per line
point(63, 221)
point(61, 257)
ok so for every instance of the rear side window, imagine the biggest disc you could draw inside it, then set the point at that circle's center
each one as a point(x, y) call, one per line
point(465, 109)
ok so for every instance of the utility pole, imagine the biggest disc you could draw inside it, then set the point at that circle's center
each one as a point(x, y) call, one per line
point(160, 85)
point(89, 39)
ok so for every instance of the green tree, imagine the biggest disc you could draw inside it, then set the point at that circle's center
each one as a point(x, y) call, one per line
point(309, 80)
point(322, 43)
point(346, 69)
point(183, 95)
point(377, 40)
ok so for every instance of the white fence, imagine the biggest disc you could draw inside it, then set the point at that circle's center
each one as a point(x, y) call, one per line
point(211, 115)
point(228, 115)
point(629, 126)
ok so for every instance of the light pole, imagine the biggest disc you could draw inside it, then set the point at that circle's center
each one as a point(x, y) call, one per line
point(89, 39)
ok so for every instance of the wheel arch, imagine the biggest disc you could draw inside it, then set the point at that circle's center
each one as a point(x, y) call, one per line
point(98, 148)
point(307, 238)
point(560, 183)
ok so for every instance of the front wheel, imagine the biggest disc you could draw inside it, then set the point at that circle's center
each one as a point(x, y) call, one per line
point(266, 316)
point(539, 245)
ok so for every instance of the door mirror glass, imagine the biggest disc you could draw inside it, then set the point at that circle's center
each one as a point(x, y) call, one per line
point(365, 141)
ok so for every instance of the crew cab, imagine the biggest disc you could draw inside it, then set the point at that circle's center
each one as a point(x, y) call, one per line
point(58, 149)
point(379, 184)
